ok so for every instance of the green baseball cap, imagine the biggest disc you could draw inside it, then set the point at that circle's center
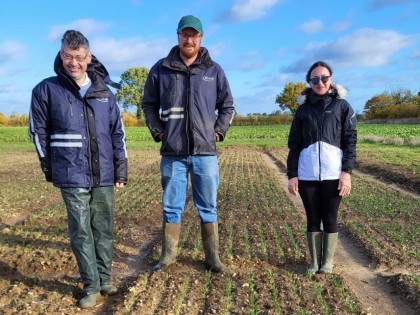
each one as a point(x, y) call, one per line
point(190, 21)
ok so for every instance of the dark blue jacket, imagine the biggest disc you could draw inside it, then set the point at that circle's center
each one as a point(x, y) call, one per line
point(323, 136)
point(188, 105)
point(80, 141)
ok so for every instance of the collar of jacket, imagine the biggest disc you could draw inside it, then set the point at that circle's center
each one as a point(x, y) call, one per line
point(174, 61)
point(95, 69)
point(336, 91)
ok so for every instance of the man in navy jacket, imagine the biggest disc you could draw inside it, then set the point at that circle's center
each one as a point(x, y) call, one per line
point(79, 136)
point(188, 106)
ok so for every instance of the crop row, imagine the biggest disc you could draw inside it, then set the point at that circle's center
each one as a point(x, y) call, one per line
point(407, 132)
point(384, 218)
point(262, 242)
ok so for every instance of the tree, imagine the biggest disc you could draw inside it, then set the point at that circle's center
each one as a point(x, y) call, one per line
point(4, 120)
point(287, 99)
point(401, 96)
point(131, 92)
point(378, 106)
point(400, 103)
point(17, 119)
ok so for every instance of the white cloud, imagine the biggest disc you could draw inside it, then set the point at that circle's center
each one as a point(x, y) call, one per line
point(85, 26)
point(276, 81)
point(363, 48)
point(119, 55)
point(251, 53)
point(7, 88)
point(14, 98)
point(10, 50)
point(340, 26)
point(369, 47)
point(247, 10)
point(415, 54)
point(251, 65)
point(312, 26)
point(261, 102)
point(216, 49)
point(250, 61)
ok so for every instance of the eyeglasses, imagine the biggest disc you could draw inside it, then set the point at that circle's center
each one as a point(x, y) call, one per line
point(324, 79)
point(185, 37)
point(68, 57)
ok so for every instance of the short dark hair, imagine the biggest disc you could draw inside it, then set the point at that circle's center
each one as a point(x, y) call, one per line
point(317, 64)
point(74, 40)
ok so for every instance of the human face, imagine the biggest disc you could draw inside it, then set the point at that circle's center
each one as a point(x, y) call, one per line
point(321, 88)
point(189, 41)
point(75, 62)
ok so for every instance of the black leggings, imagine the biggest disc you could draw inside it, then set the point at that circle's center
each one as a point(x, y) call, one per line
point(321, 201)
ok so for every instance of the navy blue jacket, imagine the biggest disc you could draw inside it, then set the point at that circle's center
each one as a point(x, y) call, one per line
point(187, 105)
point(80, 141)
point(323, 136)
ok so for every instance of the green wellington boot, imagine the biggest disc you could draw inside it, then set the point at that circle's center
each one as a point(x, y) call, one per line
point(328, 250)
point(88, 301)
point(210, 237)
point(170, 239)
point(315, 250)
point(108, 289)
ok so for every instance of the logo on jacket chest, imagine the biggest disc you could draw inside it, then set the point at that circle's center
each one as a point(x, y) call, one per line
point(208, 79)
point(102, 99)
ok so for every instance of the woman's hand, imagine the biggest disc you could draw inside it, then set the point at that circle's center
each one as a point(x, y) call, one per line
point(292, 185)
point(344, 184)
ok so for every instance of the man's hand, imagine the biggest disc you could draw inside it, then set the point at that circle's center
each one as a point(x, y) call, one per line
point(46, 169)
point(119, 185)
point(292, 186)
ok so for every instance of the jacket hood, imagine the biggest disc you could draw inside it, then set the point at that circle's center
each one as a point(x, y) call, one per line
point(95, 67)
point(336, 91)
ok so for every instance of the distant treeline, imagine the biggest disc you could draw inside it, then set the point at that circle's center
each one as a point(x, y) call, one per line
point(131, 120)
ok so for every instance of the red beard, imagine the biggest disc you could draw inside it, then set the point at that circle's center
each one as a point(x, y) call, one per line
point(189, 50)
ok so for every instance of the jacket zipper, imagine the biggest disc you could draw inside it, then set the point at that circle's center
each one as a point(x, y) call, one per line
point(188, 113)
point(71, 107)
point(319, 144)
point(88, 139)
point(319, 154)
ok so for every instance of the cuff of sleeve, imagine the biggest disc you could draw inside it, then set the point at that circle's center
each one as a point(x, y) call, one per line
point(122, 180)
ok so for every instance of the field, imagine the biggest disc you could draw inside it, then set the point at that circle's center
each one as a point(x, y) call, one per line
point(262, 232)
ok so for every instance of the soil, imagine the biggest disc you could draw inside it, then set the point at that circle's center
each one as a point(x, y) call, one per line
point(407, 180)
point(40, 275)
point(372, 287)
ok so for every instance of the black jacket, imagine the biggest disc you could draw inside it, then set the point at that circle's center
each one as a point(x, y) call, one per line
point(323, 136)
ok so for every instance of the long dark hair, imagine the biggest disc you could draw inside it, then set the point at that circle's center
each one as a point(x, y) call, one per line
point(317, 64)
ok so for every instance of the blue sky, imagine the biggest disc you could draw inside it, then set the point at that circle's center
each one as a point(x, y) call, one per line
point(372, 45)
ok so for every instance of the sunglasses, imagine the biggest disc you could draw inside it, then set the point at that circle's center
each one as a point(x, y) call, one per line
point(324, 79)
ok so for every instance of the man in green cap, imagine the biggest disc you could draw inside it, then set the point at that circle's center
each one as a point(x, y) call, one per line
point(188, 105)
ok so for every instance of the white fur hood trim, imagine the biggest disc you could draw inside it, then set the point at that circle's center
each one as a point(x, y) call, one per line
point(341, 93)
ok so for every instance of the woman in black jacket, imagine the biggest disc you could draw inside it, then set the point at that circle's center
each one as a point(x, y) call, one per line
point(322, 153)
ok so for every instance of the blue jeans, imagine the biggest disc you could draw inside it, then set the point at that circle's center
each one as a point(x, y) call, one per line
point(90, 219)
point(204, 172)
